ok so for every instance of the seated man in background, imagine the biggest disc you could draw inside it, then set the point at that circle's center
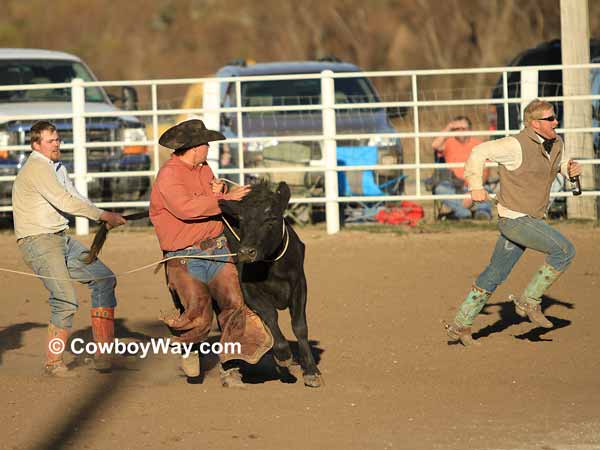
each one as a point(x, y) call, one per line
point(456, 149)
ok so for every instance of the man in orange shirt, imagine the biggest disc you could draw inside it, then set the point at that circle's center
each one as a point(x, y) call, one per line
point(456, 149)
point(186, 216)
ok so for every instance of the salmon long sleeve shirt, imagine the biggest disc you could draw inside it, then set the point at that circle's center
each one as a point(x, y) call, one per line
point(183, 208)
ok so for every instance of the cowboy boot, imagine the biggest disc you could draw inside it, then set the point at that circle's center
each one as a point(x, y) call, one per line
point(530, 303)
point(460, 329)
point(231, 377)
point(459, 333)
point(103, 329)
point(191, 364)
point(55, 347)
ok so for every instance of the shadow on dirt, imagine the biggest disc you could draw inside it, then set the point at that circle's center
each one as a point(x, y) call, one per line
point(109, 386)
point(11, 337)
point(122, 332)
point(263, 371)
point(508, 318)
point(267, 370)
point(106, 386)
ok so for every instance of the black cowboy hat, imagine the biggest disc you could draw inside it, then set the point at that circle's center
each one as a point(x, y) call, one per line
point(189, 133)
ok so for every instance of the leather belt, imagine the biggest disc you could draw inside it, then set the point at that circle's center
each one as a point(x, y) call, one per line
point(207, 244)
point(58, 233)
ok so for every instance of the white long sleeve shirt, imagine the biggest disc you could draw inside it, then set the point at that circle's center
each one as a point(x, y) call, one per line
point(507, 152)
point(41, 197)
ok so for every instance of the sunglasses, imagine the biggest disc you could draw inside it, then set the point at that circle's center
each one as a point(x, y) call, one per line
point(549, 118)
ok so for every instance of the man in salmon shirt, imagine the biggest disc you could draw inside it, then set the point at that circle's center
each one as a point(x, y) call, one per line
point(186, 216)
point(456, 149)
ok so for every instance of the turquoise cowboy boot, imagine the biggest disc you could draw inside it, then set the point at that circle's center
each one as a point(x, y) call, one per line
point(530, 303)
point(460, 329)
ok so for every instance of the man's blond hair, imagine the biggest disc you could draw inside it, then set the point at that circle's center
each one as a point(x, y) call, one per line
point(534, 109)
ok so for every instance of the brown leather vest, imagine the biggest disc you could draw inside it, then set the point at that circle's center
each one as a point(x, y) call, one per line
point(527, 189)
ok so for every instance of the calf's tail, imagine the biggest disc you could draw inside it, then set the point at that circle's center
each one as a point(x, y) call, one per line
point(102, 234)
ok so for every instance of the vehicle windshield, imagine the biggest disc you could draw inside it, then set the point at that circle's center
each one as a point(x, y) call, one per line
point(15, 72)
point(305, 92)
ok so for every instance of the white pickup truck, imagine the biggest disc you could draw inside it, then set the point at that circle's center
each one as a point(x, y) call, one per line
point(32, 66)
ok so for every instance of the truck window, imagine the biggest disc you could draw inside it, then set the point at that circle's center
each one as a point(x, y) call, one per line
point(15, 72)
point(305, 92)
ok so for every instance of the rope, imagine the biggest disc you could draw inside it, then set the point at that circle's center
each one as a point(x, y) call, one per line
point(229, 181)
point(230, 228)
point(285, 233)
point(138, 269)
point(85, 280)
point(285, 247)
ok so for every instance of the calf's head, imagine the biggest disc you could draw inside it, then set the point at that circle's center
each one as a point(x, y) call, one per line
point(259, 220)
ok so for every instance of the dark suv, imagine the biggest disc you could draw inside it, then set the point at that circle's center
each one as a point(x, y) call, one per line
point(549, 81)
point(300, 92)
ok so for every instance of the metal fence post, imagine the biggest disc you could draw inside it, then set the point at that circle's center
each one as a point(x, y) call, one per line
point(240, 129)
point(505, 98)
point(417, 127)
point(82, 225)
point(332, 207)
point(211, 99)
point(156, 154)
point(529, 89)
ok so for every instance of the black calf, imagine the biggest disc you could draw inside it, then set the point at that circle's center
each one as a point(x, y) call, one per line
point(271, 269)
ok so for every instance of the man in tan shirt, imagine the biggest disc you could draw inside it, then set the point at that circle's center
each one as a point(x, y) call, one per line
point(186, 216)
point(528, 164)
point(42, 198)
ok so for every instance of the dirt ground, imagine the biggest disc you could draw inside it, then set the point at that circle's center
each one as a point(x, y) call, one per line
point(392, 380)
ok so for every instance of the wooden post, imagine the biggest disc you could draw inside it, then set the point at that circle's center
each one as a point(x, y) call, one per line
point(575, 45)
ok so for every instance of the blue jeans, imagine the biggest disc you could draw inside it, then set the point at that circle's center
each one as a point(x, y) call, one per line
point(58, 255)
point(517, 235)
point(203, 270)
point(459, 211)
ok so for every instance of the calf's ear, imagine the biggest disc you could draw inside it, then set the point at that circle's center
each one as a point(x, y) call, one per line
point(230, 207)
point(283, 191)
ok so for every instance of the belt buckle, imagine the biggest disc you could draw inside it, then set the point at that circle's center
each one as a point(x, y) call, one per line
point(220, 243)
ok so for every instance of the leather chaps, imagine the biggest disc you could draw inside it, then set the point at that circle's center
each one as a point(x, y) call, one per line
point(192, 321)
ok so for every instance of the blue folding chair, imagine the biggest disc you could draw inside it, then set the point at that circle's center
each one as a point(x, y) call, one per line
point(363, 183)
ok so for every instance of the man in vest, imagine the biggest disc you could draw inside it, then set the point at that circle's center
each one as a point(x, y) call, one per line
point(528, 163)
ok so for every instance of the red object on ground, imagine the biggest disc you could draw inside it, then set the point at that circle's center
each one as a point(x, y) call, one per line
point(408, 213)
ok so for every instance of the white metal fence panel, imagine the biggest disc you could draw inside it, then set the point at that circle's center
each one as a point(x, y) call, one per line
point(327, 138)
